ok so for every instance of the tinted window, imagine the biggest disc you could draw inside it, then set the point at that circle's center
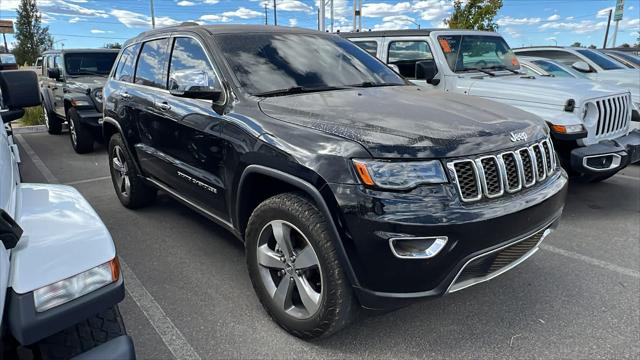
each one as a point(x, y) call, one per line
point(369, 46)
point(190, 66)
point(564, 57)
point(601, 60)
point(405, 55)
point(89, 63)
point(529, 71)
point(150, 68)
point(267, 62)
point(126, 64)
point(628, 57)
point(467, 52)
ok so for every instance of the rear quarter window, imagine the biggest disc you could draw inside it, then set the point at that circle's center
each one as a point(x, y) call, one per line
point(126, 64)
point(150, 70)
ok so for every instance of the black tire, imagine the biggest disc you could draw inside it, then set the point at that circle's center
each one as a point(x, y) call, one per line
point(138, 193)
point(80, 136)
point(81, 337)
point(51, 121)
point(337, 305)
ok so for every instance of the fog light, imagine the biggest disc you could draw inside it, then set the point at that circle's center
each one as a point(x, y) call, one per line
point(602, 162)
point(417, 247)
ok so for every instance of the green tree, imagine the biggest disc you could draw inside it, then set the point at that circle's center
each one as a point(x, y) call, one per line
point(31, 37)
point(474, 15)
point(115, 45)
point(576, 44)
point(625, 45)
point(592, 46)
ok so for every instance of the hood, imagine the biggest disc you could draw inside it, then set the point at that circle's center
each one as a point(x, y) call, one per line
point(84, 83)
point(628, 79)
point(537, 89)
point(408, 122)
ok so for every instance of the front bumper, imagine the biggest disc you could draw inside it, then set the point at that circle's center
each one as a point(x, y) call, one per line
point(607, 157)
point(29, 326)
point(371, 218)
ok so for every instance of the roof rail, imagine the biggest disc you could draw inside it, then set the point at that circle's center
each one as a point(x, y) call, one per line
point(189, 23)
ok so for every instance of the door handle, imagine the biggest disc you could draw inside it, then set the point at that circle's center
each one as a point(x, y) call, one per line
point(54, 88)
point(125, 95)
point(164, 106)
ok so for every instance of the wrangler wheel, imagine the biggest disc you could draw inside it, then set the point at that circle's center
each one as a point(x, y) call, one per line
point(294, 267)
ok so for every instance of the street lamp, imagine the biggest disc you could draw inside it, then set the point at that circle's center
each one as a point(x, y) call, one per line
point(414, 22)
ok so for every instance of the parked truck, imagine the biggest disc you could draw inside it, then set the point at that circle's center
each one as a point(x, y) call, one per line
point(589, 121)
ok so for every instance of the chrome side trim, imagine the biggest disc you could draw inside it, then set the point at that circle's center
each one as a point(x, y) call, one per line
point(453, 288)
point(433, 250)
point(617, 159)
point(190, 203)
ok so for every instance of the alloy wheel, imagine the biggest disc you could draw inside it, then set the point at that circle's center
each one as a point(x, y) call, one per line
point(121, 172)
point(289, 269)
point(45, 117)
point(72, 131)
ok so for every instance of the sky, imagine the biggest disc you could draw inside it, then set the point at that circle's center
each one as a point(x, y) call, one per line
point(92, 23)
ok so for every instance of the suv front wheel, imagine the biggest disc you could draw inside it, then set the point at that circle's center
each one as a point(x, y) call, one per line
point(81, 137)
point(131, 189)
point(51, 121)
point(294, 267)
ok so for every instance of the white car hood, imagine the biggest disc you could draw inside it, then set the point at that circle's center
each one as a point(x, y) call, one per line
point(543, 90)
point(628, 79)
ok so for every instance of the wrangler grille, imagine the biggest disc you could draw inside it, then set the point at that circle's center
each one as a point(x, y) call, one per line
point(490, 176)
point(614, 114)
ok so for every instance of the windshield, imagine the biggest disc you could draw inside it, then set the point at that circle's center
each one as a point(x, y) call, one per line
point(628, 57)
point(468, 52)
point(264, 63)
point(601, 60)
point(89, 63)
point(559, 70)
point(7, 59)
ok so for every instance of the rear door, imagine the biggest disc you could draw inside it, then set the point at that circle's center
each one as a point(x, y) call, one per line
point(57, 86)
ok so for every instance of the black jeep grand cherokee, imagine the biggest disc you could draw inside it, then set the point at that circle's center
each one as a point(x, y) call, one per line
point(347, 185)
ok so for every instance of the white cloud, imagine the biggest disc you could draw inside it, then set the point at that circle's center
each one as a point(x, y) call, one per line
point(384, 9)
point(395, 22)
point(211, 2)
point(579, 27)
point(553, 17)
point(132, 19)
point(215, 18)
point(508, 20)
point(74, 20)
point(293, 22)
point(185, 3)
point(243, 13)
point(513, 33)
point(432, 9)
point(98, 31)
point(604, 13)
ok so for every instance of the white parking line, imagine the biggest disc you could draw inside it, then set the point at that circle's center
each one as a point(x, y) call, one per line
point(592, 261)
point(88, 180)
point(168, 332)
point(171, 336)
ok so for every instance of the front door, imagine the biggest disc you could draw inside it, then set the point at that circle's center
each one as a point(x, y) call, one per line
point(57, 86)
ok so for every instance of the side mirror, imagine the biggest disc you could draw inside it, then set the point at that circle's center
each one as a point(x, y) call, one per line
point(427, 70)
point(394, 67)
point(10, 231)
point(193, 84)
point(54, 73)
point(19, 89)
point(581, 66)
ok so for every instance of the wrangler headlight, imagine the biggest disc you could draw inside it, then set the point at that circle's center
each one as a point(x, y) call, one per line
point(98, 95)
point(63, 291)
point(399, 175)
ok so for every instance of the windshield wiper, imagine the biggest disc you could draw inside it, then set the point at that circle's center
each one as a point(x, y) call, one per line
point(297, 90)
point(373, 84)
point(482, 70)
point(87, 72)
point(502, 67)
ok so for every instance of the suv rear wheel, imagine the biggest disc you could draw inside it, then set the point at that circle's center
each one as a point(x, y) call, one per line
point(51, 121)
point(294, 267)
point(81, 137)
point(131, 189)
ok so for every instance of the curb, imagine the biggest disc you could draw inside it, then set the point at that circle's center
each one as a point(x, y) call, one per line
point(29, 129)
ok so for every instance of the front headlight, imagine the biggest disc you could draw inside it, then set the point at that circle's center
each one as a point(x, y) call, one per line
point(76, 286)
point(568, 129)
point(98, 95)
point(399, 175)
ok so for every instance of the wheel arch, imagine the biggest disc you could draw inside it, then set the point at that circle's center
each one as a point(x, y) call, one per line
point(110, 127)
point(278, 182)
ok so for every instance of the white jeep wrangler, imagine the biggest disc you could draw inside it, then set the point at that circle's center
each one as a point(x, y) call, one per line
point(60, 280)
point(589, 121)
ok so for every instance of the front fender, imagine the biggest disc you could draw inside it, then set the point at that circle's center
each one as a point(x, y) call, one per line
point(79, 101)
point(63, 236)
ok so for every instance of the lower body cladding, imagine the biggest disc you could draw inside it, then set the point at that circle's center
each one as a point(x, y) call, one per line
point(607, 157)
point(454, 244)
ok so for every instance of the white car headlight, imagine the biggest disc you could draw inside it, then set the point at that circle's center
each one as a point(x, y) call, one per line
point(568, 129)
point(395, 175)
point(63, 291)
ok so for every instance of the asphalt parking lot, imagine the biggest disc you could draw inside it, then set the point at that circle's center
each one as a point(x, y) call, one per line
point(189, 294)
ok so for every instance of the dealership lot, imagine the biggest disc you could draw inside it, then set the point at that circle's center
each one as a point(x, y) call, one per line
point(189, 293)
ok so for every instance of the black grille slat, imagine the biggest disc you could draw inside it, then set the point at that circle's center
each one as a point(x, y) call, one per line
point(511, 166)
point(492, 176)
point(547, 155)
point(527, 164)
point(467, 180)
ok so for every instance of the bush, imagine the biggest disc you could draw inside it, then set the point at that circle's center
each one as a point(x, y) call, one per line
point(32, 116)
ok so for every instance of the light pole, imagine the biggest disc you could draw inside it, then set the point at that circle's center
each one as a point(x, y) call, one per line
point(153, 15)
point(414, 22)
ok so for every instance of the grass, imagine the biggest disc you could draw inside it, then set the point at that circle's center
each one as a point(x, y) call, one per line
point(32, 116)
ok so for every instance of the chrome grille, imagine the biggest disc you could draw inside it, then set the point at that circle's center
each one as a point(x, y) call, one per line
point(614, 114)
point(493, 175)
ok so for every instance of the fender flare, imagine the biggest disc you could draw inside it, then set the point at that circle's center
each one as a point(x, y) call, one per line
point(312, 191)
point(111, 121)
point(46, 100)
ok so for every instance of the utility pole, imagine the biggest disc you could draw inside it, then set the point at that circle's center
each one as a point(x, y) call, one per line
point(321, 16)
point(357, 15)
point(606, 34)
point(275, 13)
point(360, 15)
point(153, 16)
point(331, 7)
point(266, 18)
